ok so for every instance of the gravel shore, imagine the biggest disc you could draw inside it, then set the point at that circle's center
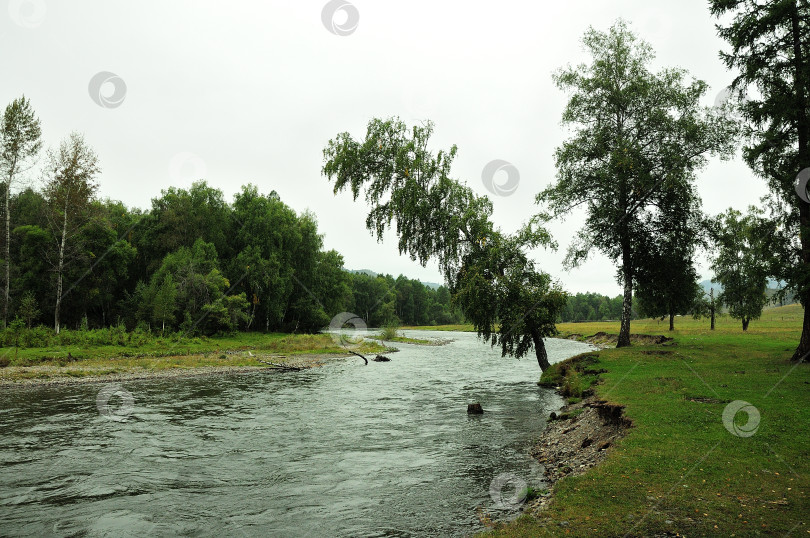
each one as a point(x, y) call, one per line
point(52, 375)
point(577, 438)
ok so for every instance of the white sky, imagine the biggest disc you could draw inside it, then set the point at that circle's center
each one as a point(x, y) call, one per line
point(238, 92)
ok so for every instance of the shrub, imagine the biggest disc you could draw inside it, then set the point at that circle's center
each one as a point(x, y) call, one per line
point(390, 331)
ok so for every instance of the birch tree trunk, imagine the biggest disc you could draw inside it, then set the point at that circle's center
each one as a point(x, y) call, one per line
point(60, 267)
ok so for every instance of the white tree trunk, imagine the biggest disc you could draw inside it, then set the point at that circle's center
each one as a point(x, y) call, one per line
point(6, 294)
point(59, 273)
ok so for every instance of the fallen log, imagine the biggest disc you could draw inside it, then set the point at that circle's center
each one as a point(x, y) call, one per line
point(359, 355)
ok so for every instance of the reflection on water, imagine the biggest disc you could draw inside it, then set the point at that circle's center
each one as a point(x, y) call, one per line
point(344, 450)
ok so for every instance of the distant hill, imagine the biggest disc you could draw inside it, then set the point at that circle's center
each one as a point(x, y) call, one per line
point(368, 272)
point(372, 274)
point(773, 287)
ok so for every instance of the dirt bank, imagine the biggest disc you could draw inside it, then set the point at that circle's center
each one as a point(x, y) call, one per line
point(604, 339)
point(576, 438)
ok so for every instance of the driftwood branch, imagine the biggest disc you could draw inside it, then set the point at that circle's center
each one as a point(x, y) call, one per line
point(280, 366)
point(359, 355)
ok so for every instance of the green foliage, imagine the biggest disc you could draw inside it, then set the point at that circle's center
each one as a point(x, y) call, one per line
point(591, 307)
point(639, 138)
point(491, 278)
point(28, 309)
point(164, 302)
point(20, 142)
point(740, 264)
point(572, 385)
point(770, 49)
point(390, 331)
point(192, 262)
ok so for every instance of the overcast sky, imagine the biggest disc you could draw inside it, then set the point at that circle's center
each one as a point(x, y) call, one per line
point(250, 92)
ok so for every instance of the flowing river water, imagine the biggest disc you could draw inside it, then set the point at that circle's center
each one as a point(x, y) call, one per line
point(343, 450)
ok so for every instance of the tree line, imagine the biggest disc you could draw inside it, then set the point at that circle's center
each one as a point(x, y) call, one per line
point(192, 262)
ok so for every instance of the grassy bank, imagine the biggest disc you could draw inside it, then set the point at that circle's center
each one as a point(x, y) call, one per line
point(152, 354)
point(680, 471)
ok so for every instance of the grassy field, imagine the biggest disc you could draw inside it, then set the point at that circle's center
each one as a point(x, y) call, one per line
point(681, 471)
point(165, 353)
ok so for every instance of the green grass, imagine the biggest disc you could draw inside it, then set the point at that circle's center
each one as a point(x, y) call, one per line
point(679, 470)
point(160, 354)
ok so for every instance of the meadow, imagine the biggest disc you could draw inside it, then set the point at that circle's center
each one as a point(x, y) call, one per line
point(684, 469)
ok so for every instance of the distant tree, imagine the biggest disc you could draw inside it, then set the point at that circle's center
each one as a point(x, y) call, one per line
point(670, 289)
point(202, 292)
point(225, 314)
point(770, 49)
point(69, 190)
point(165, 302)
point(496, 286)
point(705, 306)
point(102, 274)
point(179, 217)
point(28, 309)
point(666, 280)
point(20, 142)
point(740, 265)
point(265, 239)
point(638, 134)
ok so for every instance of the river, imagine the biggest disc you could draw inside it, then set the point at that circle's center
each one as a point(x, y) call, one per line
point(343, 450)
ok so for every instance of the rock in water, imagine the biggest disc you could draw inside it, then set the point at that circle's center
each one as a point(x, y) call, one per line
point(475, 409)
point(381, 358)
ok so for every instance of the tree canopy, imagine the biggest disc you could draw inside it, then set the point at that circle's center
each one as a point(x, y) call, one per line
point(637, 136)
point(408, 188)
point(770, 50)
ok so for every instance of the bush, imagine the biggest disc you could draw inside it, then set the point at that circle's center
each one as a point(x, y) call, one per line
point(390, 331)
